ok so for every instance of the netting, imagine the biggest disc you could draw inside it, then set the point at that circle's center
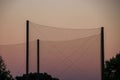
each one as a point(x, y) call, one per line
point(14, 57)
point(66, 53)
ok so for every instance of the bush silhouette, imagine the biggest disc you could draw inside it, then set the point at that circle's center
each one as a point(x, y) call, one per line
point(36, 76)
point(4, 73)
point(112, 68)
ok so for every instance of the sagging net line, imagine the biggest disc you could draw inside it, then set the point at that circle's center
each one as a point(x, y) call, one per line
point(62, 48)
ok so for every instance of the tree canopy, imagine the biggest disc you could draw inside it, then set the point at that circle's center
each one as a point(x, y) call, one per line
point(111, 71)
point(36, 76)
point(4, 73)
point(112, 68)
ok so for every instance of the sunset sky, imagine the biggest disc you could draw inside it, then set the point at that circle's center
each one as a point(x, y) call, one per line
point(60, 13)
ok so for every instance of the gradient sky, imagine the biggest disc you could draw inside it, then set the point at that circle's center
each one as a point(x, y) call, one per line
point(61, 13)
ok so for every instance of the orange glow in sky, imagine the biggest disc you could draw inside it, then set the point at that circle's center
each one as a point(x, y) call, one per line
point(58, 13)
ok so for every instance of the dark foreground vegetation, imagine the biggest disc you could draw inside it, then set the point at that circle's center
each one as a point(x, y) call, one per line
point(111, 71)
point(4, 73)
point(112, 68)
point(36, 76)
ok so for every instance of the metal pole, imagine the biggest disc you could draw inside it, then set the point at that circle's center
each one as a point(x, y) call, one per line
point(27, 47)
point(38, 56)
point(102, 53)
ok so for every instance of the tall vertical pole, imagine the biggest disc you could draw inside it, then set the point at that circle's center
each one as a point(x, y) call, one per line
point(102, 53)
point(38, 55)
point(27, 47)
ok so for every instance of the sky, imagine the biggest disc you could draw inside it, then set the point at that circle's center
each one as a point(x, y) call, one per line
point(60, 13)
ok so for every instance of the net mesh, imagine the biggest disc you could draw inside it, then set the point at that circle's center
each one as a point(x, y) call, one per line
point(68, 54)
point(65, 53)
point(14, 57)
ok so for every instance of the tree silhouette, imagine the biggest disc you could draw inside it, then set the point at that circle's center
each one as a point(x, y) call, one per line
point(112, 68)
point(4, 73)
point(36, 76)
